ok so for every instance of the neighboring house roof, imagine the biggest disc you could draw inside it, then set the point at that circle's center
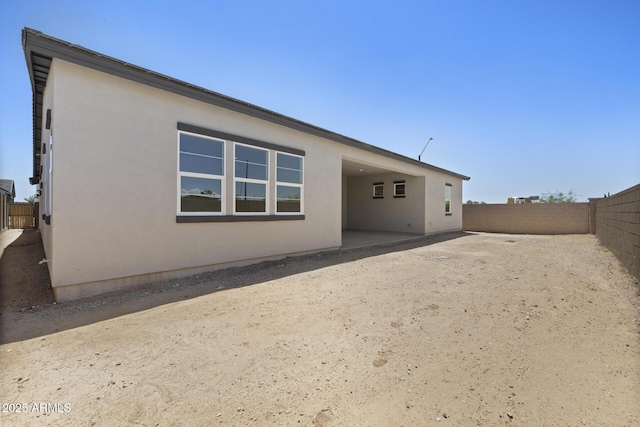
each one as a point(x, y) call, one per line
point(39, 49)
point(7, 186)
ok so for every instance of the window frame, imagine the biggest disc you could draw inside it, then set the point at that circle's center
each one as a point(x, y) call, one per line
point(378, 185)
point(201, 175)
point(228, 196)
point(289, 184)
point(396, 184)
point(266, 183)
point(447, 206)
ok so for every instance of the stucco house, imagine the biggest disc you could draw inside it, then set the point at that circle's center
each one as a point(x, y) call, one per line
point(145, 177)
point(7, 195)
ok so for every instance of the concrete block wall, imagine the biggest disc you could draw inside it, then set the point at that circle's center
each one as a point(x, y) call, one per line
point(593, 205)
point(618, 227)
point(528, 218)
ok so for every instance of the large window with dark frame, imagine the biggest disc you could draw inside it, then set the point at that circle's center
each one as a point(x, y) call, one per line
point(251, 177)
point(289, 183)
point(208, 159)
point(201, 174)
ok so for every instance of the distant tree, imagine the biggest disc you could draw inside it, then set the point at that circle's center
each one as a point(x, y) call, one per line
point(209, 192)
point(558, 197)
point(471, 202)
point(31, 199)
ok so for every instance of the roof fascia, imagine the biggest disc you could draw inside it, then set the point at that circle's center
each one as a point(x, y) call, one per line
point(11, 192)
point(46, 45)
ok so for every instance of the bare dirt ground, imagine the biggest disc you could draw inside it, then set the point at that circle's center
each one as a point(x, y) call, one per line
point(455, 330)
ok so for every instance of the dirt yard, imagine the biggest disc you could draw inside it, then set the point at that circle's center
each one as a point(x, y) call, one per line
point(455, 330)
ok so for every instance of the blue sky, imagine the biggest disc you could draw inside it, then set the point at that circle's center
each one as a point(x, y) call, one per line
point(525, 97)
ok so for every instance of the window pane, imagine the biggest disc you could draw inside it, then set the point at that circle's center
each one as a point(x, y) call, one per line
point(378, 190)
point(244, 169)
point(288, 175)
point(200, 194)
point(289, 169)
point(288, 199)
point(251, 197)
point(399, 189)
point(447, 199)
point(251, 162)
point(200, 164)
point(204, 146)
point(201, 155)
point(290, 162)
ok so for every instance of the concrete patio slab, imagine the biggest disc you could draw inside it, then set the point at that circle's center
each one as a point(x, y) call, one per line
point(352, 239)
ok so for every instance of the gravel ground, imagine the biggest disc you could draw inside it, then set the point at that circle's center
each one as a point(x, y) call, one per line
point(458, 329)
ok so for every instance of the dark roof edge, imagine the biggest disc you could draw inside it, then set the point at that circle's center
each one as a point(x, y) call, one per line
point(35, 179)
point(34, 40)
point(8, 186)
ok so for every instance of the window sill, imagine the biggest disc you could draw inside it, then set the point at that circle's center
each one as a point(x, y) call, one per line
point(237, 218)
point(448, 214)
point(399, 197)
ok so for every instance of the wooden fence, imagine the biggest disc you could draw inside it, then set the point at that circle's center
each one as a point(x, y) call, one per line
point(22, 215)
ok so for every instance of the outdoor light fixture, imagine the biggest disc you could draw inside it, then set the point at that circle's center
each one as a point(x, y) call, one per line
point(425, 147)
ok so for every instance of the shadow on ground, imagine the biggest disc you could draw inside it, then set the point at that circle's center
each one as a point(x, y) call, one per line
point(29, 310)
point(24, 282)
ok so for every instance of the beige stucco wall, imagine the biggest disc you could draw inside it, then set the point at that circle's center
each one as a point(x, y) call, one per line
point(116, 182)
point(115, 198)
point(344, 203)
point(436, 220)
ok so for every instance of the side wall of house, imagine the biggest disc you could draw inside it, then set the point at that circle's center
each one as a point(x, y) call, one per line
point(436, 219)
point(115, 206)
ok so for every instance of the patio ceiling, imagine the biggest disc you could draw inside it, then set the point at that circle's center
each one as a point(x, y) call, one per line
point(351, 168)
